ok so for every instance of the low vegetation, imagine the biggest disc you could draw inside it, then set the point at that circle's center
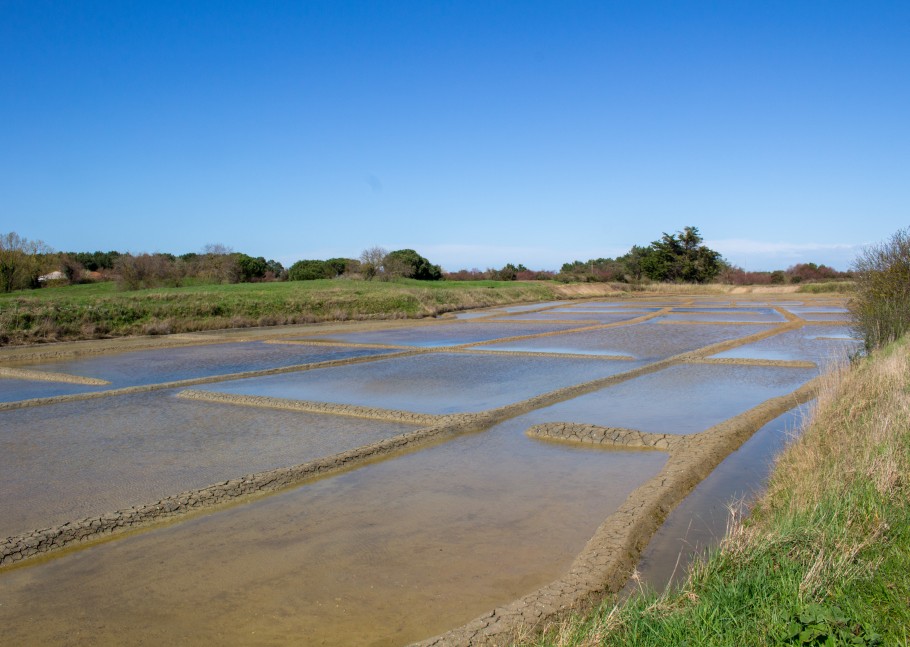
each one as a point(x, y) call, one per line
point(101, 310)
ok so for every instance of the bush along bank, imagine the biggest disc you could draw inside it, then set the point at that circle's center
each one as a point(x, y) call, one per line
point(824, 557)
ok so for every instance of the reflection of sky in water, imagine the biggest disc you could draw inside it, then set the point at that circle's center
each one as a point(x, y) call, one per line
point(682, 399)
point(169, 364)
point(12, 389)
point(647, 340)
point(445, 334)
point(438, 383)
point(819, 344)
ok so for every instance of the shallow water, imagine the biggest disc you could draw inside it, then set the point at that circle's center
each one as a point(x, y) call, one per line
point(437, 383)
point(721, 316)
point(683, 399)
point(586, 316)
point(66, 461)
point(645, 341)
point(169, 364)
point(12, 390)
point(700, 520)
point(820, 344)
point(386, 554)
point(453, 334)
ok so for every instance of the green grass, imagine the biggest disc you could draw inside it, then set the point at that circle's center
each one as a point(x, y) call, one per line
point(824, 558)
point(101, 310)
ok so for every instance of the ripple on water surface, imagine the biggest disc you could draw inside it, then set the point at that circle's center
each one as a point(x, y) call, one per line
point(386, 554)
point(437, 383)
point(66, 461)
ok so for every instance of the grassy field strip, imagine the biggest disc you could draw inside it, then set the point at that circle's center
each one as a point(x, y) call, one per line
point(48, 376)
point(372, 413)
point(195, 381)
point(824, 557)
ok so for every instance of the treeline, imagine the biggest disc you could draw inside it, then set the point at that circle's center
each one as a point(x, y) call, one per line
point(679, 258)
point(682, 258)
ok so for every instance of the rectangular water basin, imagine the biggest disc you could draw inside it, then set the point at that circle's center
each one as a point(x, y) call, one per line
point(725, 315)
point(12, 390)
point(437, 383)
point(645, 341)
point(682, 399)
point(170, 364)
point(453, 334)
point(66, 461)
point(819, 344)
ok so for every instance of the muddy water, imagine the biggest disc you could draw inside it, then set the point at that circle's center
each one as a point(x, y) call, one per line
point(67, 461)
point(383, 555)
point(699, 522)
point(647, 341)
point(439, 383)
point(169, 364)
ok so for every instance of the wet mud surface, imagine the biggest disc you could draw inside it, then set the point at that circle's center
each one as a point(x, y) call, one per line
point(386, 499)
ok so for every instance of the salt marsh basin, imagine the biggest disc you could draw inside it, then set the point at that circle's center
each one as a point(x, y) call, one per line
point(372, 483)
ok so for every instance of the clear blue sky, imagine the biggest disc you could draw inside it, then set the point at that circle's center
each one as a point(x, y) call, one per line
point(474, 132)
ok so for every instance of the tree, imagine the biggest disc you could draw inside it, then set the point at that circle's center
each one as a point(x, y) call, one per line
point(681, 257)
point(410, 264)
point(22, 261)
point(309, 270)
point(371, 262)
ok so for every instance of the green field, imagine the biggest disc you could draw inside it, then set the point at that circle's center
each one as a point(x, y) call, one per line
point(101, 310)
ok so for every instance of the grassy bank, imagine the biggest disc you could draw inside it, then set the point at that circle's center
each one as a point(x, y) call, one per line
point(100, 310)
point(824, 558)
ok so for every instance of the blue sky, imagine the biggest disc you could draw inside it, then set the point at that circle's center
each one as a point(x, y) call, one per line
point(477, 133)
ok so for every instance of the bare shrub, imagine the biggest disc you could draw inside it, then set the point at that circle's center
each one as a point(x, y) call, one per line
point(881, 307)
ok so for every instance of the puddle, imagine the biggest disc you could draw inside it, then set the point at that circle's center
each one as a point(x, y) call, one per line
point(682, 399)
point(819, 344)
point(436, 383)
point(67, 461)
point(646, 341)
point(453, 334)
point(169, 364)
point(383, 555)
point(700, 520)
point(12, 390)
point(802, 310)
